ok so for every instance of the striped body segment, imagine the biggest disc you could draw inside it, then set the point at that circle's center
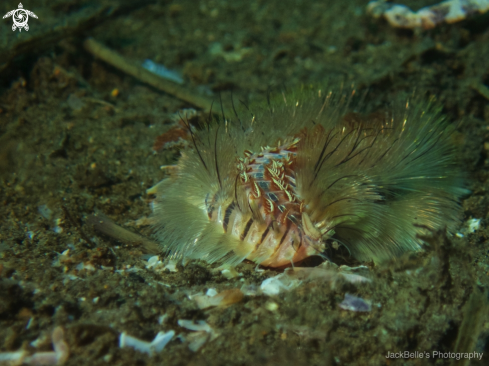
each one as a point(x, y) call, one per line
point(278, 232)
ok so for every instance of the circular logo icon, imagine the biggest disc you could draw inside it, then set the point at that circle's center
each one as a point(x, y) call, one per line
point(20, 17)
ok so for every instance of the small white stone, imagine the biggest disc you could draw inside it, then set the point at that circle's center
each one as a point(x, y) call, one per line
point(157, 345)
point(211, 292)
point(230, 273)
point(271, 306)
point(473, 225)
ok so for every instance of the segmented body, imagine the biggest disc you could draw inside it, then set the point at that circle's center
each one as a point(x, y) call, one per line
point(274, 235)
point(372, 183)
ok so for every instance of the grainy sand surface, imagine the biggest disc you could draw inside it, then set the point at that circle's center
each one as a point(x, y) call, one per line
point(71, 146)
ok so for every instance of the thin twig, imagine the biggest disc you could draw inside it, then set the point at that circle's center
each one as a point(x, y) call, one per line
point(77, 225)
point(120, 62)
point(106, 226)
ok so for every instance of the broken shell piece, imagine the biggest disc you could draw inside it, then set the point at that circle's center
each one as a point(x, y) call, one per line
point(282, 282)
point(473, 225)
point(162, 71)
point(354, 303)
point(153, 261)
point(60, 346)
point(230, 273)
point(294, 277)
point(354, 278)
point(14, 358)
point(62, 258)
point(161, 340)
point(87, 267)
point(197, 340)
point(200, 325)
point(157, 345)
point(449, 11)
point(203, 332)
point(224, 298)
point(250, 290)
point(330, 274)
point(156, 264)
point(41, 358)
point(211, 292)
point(470, 227)
point(59, 356)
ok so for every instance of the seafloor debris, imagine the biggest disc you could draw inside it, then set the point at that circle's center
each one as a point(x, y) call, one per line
point(235, 55)
point(202, 333)
point(162, 71)
point(155, 346)
point(277, 284)
point(230, 273)
point(283, 282)
point(470, 227)
point(355, 303)
point(449, 11)
point(156, 264)
point(113, 58)
point(292, 278)
point(57, 357)
point(106, 226)
point(47, 213)
point(221, 299)
point(473, 225)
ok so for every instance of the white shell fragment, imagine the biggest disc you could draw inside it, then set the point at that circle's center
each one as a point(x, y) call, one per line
point(45, 211)
point(161, 340)
point(211, 292)
point(201, 325)
point(58, 356)
point(250, 290)
point(293, 278)
point(354, 303)
point(157, 345)
point(470, 227)
point(230, 273)
point(197, 340)
point(203, 333)
point(473, 225)
point(62, 258)
point(449, 11)
point(156, 264)
point(12, 357)
point(162, 71)
point(280, 283)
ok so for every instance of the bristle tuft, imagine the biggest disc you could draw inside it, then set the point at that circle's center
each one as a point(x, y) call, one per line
point(280, 185)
